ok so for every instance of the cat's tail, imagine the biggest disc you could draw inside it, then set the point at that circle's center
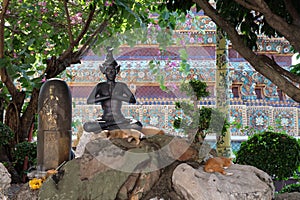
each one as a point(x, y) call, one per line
point(207, 169)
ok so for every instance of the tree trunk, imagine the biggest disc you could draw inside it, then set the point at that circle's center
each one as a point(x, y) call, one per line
point(29, 115)
point(222, 93)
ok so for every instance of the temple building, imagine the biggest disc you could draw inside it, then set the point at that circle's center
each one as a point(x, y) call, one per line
point(255, 102)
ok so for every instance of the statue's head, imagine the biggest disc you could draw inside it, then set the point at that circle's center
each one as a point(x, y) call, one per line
point(109, 62)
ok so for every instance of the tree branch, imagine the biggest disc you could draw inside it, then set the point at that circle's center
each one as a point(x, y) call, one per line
point(69, 23)
point(2, 22)
point(5, 78)
point(256, 61)
point(56, 66)
point(271, 63)
point(92, 39)
point(247, 4)
point(28, 116)
point(289, 31)
point(80, 36)
point(293, 12)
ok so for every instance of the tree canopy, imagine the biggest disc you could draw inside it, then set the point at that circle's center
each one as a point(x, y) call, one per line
point(39, 39)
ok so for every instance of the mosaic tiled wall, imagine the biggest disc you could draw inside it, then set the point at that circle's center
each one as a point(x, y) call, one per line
point(198, 35)
point(162, 116)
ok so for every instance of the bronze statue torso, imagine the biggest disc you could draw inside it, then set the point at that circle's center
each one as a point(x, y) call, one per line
point(112, 106)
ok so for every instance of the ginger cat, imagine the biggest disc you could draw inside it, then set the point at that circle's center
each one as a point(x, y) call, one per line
point(218, 164)
point(125, 133)
point(150, 130)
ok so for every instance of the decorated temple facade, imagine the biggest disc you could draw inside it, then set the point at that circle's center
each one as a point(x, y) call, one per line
point(255, 102)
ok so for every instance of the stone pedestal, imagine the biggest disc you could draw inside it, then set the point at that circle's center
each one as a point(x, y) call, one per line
point(54, 129)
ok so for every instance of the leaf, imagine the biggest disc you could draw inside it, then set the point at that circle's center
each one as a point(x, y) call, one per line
point(165, 15)
point(163, 87)
point(118, 2)
point(4, 62)
point(30, 42)
point(183, 54)
point(30, 73)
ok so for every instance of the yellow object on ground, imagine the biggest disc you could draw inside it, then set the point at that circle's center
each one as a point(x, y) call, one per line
point(36, 183)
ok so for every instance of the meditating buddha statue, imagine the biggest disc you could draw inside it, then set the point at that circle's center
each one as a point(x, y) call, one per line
point(110, 94)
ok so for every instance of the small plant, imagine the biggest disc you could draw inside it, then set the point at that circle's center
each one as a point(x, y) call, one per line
point(22, 150)
point(198, 122)
point(278, 154)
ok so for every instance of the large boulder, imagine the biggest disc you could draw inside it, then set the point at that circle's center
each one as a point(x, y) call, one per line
point(247, 182)
point(176, 147)
point(85, 138)
point(288, 196)
point(114, 169)
point(159, 167)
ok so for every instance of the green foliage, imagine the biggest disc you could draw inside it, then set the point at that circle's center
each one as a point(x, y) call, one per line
point(180, 5)
point(22, 150)
point(6, 135)
point(296, 68)
point(184, 66)
point(36, 30)
point(198, 122)
point(277, 154)
point(295, 187)
point(195, 88)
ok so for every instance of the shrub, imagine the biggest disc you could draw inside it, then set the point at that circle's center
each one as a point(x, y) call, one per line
point(295, 187)
point(277, 154)
point(198, 122)
point(6, 135)
point(22, 150)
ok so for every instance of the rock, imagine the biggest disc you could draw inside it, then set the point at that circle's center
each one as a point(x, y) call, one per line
point(91, 176)
point(4, 181)
point(288, 196)
point(110, 169)
point(4, 178)
point(163, 188)
point(119, 169)
point(182, 150)
point(247, 182)
point(84, 139)
point(24, 192)
point(2, 195)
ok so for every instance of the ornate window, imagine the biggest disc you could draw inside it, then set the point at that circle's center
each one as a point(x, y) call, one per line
point(259, 91)
point(236, 90)
point(211, 89)
point(281, 95)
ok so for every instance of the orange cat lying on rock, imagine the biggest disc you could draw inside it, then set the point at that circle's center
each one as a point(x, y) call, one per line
point(218, 164)
point(133, 134)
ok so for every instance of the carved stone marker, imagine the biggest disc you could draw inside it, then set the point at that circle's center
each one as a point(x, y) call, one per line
point(54, 125)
